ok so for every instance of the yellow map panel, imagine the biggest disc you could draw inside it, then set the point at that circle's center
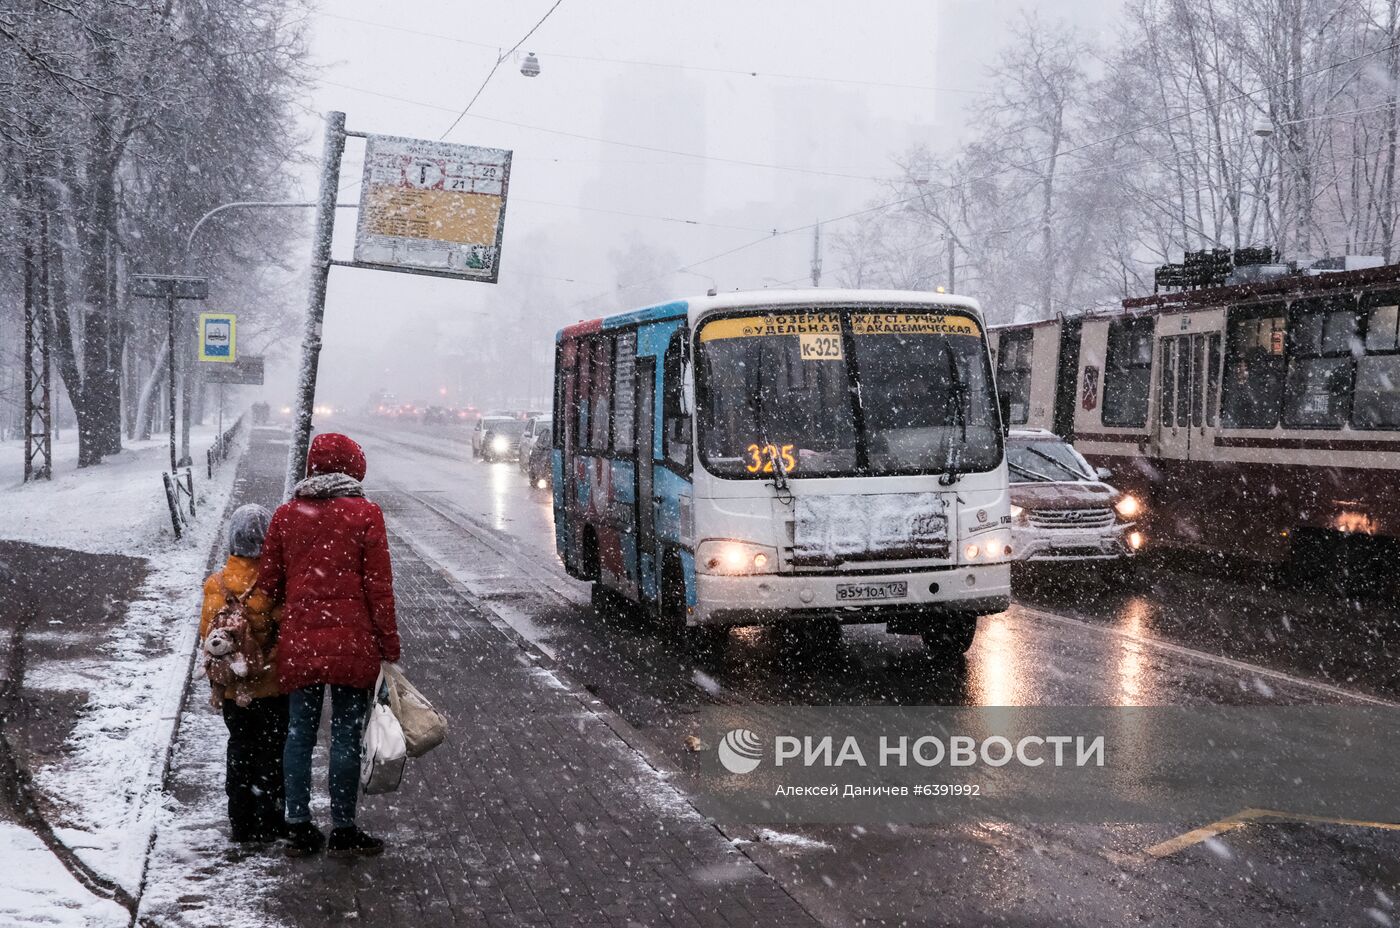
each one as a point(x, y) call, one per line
point(439, 215)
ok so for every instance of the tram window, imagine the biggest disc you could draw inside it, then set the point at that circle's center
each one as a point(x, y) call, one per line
point(1377, 403)
point(1166, 391)
point(1198, 361)
point(1320, 366)
point(1014, 374)
point(1255, 368)
point(1213, 378)
point(675, 421)
point(600, 420)
point(1127, 379)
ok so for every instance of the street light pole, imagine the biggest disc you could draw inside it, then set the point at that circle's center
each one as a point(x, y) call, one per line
point(170, 319)
point(333, 149)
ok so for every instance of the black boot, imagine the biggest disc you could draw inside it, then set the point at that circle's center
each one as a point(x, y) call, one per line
point(304, 839)
point(346, 842)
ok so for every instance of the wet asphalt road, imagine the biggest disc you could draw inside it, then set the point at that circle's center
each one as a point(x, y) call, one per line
point(1218, 634)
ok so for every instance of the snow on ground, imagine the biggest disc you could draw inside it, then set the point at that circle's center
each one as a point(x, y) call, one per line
point(195, 876)
point(107, 789)
point(41, 892)
point(106, 509)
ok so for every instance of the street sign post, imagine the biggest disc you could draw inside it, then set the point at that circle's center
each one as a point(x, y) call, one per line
point(247, 370)
point(170, 288)
point(430, 207)
point(426, 207)
point(218, 337)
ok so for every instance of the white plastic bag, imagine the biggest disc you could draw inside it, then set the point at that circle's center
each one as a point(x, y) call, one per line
point(424, 728)
point(384, 752)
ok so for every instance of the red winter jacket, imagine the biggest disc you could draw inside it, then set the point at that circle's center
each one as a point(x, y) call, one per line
point(327, 558)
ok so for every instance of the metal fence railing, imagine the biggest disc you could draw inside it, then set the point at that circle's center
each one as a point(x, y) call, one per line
point(218, 452)
point(179, 496)
point(179, 486)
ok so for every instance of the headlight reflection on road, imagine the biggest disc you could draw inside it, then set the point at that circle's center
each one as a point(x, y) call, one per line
point(996, 671)
point(1135, 620)
point(502, 479)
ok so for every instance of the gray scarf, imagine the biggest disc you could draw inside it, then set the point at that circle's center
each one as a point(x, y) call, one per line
point(325, 486)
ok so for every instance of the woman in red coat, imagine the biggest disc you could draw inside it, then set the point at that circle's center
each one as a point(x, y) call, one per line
point(326, 557)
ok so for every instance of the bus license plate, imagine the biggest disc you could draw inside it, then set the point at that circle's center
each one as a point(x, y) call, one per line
point(869, 592)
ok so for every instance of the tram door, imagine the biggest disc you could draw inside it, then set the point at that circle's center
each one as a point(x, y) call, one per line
point(1188, 394)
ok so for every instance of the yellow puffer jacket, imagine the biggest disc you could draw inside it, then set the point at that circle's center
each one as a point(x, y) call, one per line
point(239, 575)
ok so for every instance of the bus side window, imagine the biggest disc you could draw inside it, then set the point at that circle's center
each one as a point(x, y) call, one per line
point(600, 422)
point(1252, 390)
point(1377, 403)
point(675, 421)
point(583, 392)
point(557, 438)
point(1127, 376)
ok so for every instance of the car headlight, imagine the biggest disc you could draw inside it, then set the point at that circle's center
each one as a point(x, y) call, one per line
point(500, 444)
point(735, 558)
point(1018, 512)
point(1128, 506)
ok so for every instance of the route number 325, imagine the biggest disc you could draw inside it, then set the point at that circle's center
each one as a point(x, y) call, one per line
point(762, 458)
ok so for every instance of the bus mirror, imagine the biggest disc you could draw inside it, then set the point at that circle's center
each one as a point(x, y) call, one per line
point(1004, 406)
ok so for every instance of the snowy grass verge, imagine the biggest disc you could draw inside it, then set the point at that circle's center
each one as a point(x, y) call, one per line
point(45, 893)
point(116, 507)
point(106, 792)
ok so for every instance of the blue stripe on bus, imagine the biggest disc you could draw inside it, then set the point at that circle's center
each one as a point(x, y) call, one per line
point(673, 310)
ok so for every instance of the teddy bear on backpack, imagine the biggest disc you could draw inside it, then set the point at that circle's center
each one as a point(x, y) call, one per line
point(231, 652)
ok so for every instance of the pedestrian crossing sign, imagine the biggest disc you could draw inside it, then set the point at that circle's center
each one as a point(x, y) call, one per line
point(217, 337)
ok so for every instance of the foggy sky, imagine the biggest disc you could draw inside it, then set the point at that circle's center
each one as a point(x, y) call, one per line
point(414, 335)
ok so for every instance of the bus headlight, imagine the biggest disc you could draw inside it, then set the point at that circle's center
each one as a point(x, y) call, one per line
point(500, 444)
point(1127, 506)
point(735, 558)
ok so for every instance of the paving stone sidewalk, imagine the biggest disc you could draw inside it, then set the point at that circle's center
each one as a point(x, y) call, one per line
point(535, 812)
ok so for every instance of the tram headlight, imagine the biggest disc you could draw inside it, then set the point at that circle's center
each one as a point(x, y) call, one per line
point(970, 552)
point(1128, 506)
point(734, 558)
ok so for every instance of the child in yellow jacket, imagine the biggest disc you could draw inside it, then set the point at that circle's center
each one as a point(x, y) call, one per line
point(257, 731)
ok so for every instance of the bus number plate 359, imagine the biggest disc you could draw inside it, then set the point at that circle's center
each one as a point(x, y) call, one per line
point(871, 592)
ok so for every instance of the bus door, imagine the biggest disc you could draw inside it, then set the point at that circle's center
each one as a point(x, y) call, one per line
point(645, 512)
point(1188, 395)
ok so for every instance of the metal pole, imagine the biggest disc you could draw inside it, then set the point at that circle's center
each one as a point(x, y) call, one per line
point(332, 150)
point(186, 396)
point(952, 267)
point(170, 312)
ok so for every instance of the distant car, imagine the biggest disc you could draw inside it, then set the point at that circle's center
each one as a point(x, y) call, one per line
point(436, 415)
point(1061, 508)
point(535, 428)
point(483, 425)
point(540, 467)
point(501, 440)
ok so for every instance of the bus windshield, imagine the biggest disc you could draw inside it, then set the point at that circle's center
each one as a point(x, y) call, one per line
point(845, 393)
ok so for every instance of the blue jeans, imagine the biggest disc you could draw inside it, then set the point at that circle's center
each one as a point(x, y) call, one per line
point(348, 708)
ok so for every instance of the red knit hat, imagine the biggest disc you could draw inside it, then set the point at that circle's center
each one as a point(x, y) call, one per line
point(333, 453)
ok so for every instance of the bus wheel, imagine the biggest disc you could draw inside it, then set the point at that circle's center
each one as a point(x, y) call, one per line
point(696, 639)
point(951, 635)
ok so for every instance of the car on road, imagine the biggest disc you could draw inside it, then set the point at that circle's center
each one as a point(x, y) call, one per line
point(436, 415)
point(500, 440)
point(536, 428)
point(1062, 510)
point(479, 430)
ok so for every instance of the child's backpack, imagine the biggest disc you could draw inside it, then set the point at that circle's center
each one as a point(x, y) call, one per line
point(233, 619)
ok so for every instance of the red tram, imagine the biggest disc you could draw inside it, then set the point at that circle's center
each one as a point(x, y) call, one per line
point(1252, 419)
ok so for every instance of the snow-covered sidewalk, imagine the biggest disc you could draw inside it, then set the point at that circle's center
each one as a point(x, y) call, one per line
point(102, 794)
